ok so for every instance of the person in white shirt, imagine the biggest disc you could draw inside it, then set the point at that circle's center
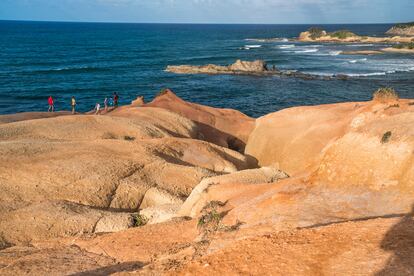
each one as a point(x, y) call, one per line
point(97, 108)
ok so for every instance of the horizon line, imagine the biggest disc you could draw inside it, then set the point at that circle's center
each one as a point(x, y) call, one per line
point(191, 23)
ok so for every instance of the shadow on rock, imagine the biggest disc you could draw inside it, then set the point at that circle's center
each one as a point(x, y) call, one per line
point(400, 240)
point(107, 270)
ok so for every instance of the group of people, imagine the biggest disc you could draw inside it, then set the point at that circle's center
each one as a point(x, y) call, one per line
point(107, 102)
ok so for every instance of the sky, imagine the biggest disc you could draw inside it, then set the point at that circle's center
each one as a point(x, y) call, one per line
point(211, 11)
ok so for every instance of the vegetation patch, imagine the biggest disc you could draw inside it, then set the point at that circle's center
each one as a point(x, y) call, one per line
point(385, 94)
point(386, 137)
point(404, 25)
point(409, 46)
point(316, 32)
point(129, 138)
point(342, 34)
point(211, 217)
point(139, 220)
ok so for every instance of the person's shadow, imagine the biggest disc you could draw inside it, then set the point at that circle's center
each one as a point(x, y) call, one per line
point(400, 240)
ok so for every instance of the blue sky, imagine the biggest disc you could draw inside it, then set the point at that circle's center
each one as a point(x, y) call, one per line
point(211, 11)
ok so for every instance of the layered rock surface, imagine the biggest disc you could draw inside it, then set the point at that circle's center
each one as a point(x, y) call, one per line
point(77, 174)
point(333, 193)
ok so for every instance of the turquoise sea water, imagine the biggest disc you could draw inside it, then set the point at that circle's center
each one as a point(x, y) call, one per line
point(92, 60)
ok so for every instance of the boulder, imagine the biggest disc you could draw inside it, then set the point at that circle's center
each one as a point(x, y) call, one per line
point(155, 197)
point(160, 213)
point(199, 197)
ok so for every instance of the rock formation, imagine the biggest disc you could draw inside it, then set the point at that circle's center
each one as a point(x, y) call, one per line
point(68, 175)
point(403, 29)
point(362, 52)
point(156, 189)
point(257, 68)
point(224, 127)
point(344, 36)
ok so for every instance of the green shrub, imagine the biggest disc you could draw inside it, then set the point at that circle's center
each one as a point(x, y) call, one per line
point(342, 34)
point(316, 32)
point(139, 220)
point(404, 25)
point(212, 217)
point(385, 94)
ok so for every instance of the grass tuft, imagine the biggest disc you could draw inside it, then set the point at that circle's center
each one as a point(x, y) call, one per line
point(129, 138)
point(386, 137)
point(385, 94)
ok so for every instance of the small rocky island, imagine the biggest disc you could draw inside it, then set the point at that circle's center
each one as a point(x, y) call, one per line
point(240, 67)
point(315, 34)
point(402, 29)
point(402, 48)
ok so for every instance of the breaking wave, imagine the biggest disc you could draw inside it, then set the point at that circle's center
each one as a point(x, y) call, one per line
point(248, 47)
point(288, 46)
point(307, 51)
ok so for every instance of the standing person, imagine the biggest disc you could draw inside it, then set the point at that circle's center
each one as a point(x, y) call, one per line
point(51, 104)
point(97, 108)
point(106, 103)
point(73, 104)
point(116, 99)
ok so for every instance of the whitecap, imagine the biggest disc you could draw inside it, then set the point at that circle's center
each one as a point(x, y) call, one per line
point(307, 51)
point(335, 53)
point(357, 60)
point(286, 46)
point(367, 74)
point(248, 47)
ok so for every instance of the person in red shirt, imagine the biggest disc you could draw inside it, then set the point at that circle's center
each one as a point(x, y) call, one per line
point(116, 99)
point(51, 104)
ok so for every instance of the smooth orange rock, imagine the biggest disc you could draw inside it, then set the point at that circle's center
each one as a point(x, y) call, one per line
point(225, 127)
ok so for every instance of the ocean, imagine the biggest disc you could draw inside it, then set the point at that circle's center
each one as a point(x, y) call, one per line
point(92, 60)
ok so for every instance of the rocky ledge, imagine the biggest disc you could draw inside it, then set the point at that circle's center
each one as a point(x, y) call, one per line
point(345, 36)
point(255, 68)
point(176, 188)
point(362, 52)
